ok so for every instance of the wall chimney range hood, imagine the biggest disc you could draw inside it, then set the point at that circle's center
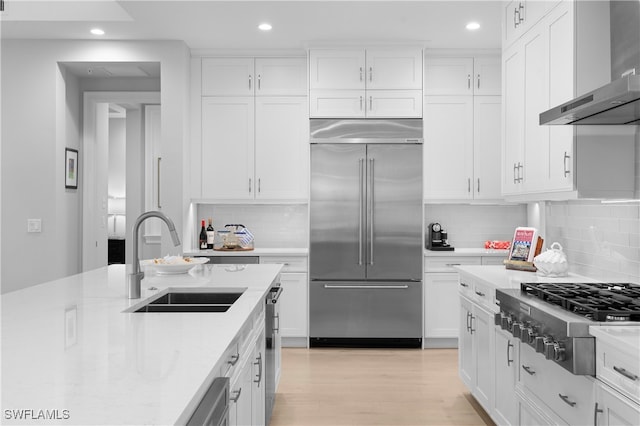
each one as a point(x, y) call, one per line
point(618, 102)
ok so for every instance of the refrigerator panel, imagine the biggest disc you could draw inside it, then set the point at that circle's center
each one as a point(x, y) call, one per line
point(394, 212)
point(336, 213)
point(363, 309)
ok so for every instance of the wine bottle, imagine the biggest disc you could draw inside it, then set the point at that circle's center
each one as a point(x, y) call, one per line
point(211, 235)
point(203, 237)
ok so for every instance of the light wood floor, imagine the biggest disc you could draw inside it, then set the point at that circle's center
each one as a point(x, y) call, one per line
point(373, 387)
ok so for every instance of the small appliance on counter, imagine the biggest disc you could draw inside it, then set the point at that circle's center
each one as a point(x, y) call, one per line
point(437, 238)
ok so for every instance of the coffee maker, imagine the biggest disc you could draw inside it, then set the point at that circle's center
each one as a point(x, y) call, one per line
point(437, 238)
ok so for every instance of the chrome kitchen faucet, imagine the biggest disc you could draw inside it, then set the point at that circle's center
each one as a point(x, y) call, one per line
point(133, 281)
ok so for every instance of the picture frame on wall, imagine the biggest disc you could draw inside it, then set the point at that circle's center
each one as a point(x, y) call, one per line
point(71, 168)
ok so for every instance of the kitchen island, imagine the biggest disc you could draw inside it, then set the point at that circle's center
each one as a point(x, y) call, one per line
point(70, 355)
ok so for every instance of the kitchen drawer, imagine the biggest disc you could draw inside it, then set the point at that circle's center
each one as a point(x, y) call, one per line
point(465, 286)
point(569, 396)
point(291, 263)
point(447, 264)
point(230, 360)
point(618, 369)
point(485, 295)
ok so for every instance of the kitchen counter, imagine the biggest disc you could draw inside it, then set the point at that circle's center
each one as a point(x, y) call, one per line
point(67, 346)
point(499, 277)
point(467, 252)
point(258, 251)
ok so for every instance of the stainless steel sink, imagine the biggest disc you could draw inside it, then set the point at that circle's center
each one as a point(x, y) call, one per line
point(192, 301)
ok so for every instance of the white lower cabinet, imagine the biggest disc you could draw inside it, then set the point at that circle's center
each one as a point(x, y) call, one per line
point(476, 351)
point(612, 408)
point(507, 357)
point(441, 305)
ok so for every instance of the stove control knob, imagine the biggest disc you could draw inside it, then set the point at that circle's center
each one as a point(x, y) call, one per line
point(549, 352)
point(506, 322)
point(539, 344)
point(532, 335)
point(515, 329)
point(559, 351)
point(497, 319)
point(524, 333)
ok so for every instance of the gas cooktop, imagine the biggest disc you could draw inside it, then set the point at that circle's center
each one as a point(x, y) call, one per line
point(594, 301)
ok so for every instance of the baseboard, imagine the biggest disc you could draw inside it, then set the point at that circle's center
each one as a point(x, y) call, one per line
point(295, 342)
point(440, 342)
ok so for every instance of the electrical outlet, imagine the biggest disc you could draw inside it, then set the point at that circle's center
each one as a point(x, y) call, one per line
point(34, 225)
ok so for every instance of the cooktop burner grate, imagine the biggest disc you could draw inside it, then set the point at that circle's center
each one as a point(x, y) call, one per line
point(596, 301)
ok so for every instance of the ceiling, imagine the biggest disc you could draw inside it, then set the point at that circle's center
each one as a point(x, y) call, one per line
point(215, 24)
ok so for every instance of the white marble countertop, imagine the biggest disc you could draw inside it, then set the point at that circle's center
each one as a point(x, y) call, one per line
point(498, 276)
point(467, 252)
point(67, 345)
point(258, 251)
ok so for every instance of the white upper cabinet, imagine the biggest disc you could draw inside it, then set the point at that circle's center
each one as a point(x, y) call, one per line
point(359, 83)
point(462, 76)
point(254, 76)
point(487, 119)
point(520, 15)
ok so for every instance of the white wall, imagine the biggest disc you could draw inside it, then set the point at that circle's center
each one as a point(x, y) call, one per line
point(39, 121)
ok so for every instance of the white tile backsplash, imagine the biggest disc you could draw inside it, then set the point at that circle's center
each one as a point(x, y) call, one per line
point(601, 241)
point(273, 226)
point(469, 226)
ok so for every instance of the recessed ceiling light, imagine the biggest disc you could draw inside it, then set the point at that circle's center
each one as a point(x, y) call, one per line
point(97, 31)
point(265, 27)
point(473, 26)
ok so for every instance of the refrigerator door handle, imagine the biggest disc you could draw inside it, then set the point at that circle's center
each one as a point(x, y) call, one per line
point(361, 207)
point(370, 199)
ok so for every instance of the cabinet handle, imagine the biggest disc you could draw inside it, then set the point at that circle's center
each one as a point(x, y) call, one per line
point(566, 166)
point(360, 103)
point(469, 185)
point(464, 284)
point(566, 399)
point(469, 81)
point(509, 346)
point(276, 320)
point(259, 185)
point(361, 75)
point(515, 180)
point(236, 396)
point(521, 14)
point(249, 185)
point(234, 359)
point(259, 77)
point(452, 264)
point(249, 81)
point(478, 185)
point(468, 326)
point(259, 364)
point(471, 318)
point(625, 373)
point(528, 370)
point(370, 103)
point(159, 159)
point(596, 411)
point(516, 20)
point(478, 81)
point(520, 167)
point(370, 73)
point(479, 293)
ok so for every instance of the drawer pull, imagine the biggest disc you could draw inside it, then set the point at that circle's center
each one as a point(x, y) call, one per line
point(625, 373)
point(509, 346)
point(452, 264)
point(479, 293)
point(528, 370)
point(236, 396)
point(464, 285)
point(566, 399)
point(234, 359)
point(596, 411)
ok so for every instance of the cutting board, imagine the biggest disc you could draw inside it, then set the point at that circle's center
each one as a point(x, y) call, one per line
point(233, 249)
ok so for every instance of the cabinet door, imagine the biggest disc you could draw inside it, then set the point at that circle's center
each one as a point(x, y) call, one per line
point(506, 374)
point(513, 119)
point(280, 76)
point(466, 368)
point(536, 100)
point(448, 147)
point(282, 148)
point(487, 111)
point(258, 395)
point(448, 76)
point(561, 89)
point(394, 103)
point(441, 305)
point(394, 69)
point(336, 103)
point(487, 76)
point(227, 147)
point(482, 329)
point(337, 69)
point(614, 409)
point(227, 77)
point(293, 305)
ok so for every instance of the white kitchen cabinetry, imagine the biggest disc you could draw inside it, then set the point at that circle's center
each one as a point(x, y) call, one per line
point(612, 408)
point(462, 135)
point(520, 15)
point(462, 76)
point(505, 404)
point(357, 83)
point(294, 311)
point(254, 148)
point(254, 76)
point(546, 66)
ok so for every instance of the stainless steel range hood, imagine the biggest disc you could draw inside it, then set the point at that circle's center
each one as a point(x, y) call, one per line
point(619, 101)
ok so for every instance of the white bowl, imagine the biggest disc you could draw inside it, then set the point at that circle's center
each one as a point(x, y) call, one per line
point(173, 264)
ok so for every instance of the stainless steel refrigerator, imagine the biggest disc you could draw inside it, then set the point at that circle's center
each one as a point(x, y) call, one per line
point(366, 233)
